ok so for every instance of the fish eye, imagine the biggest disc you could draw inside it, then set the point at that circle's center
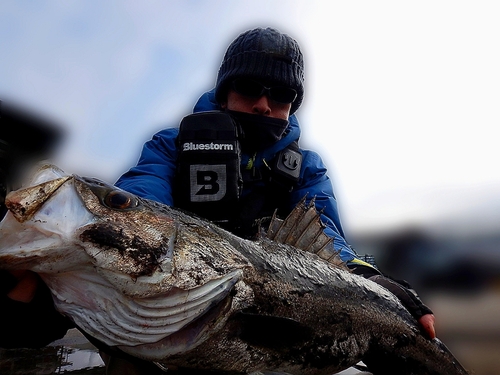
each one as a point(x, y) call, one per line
point(121, 200)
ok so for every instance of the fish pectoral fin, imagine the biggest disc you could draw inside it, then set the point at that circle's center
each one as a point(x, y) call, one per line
point(271, 331)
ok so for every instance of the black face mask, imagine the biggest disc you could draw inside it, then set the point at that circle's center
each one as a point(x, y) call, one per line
point(259, 132)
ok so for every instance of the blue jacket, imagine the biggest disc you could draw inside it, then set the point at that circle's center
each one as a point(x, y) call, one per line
point(153, 175)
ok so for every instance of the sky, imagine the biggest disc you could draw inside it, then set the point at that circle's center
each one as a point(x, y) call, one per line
point(402, 98)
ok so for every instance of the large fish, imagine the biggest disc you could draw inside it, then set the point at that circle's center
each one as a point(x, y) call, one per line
point(174, 289)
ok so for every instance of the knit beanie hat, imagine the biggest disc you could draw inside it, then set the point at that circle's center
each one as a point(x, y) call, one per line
point(265, 55)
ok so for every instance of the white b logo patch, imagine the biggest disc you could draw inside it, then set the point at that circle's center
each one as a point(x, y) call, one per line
point(207, 182)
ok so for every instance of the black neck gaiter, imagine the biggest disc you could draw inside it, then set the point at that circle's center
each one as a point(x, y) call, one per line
point(259, 132)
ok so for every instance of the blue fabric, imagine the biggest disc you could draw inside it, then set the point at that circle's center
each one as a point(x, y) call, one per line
point(152, 177)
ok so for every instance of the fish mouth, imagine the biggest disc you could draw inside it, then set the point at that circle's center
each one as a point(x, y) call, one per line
point(25, 203)
point(30, 237)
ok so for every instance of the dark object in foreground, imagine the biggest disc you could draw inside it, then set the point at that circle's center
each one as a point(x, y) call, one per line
point(25, 137)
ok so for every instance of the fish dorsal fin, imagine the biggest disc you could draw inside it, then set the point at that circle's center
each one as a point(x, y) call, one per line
point(304, 230)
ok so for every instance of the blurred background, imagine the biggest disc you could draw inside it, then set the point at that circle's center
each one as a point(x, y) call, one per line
point(402, 102)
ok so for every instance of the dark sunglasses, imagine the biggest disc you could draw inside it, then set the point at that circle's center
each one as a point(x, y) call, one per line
point(254, 89)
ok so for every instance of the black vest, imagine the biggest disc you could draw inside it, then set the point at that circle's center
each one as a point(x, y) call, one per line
point(209, 180)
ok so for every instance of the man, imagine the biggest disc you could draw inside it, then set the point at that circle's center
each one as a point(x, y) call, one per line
point(260, 84)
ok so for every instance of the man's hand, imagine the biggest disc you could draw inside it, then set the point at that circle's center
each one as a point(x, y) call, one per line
point(411, 301)
point(27, 283)
point(427, 323)
point(408, 297)
point(28, 318)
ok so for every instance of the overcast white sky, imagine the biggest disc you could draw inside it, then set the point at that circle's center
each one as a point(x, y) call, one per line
point(402, 98)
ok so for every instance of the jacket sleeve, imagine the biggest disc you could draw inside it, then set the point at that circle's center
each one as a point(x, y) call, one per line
point(315, 184)
point(153, 175)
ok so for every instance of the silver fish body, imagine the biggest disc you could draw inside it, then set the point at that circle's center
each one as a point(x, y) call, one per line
point(168, 287)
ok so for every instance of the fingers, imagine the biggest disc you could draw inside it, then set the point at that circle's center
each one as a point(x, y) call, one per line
point(427, 323)
point(26, 286)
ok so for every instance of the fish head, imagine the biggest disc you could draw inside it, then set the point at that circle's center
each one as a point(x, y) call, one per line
point(130, 272)
point(60, 222)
